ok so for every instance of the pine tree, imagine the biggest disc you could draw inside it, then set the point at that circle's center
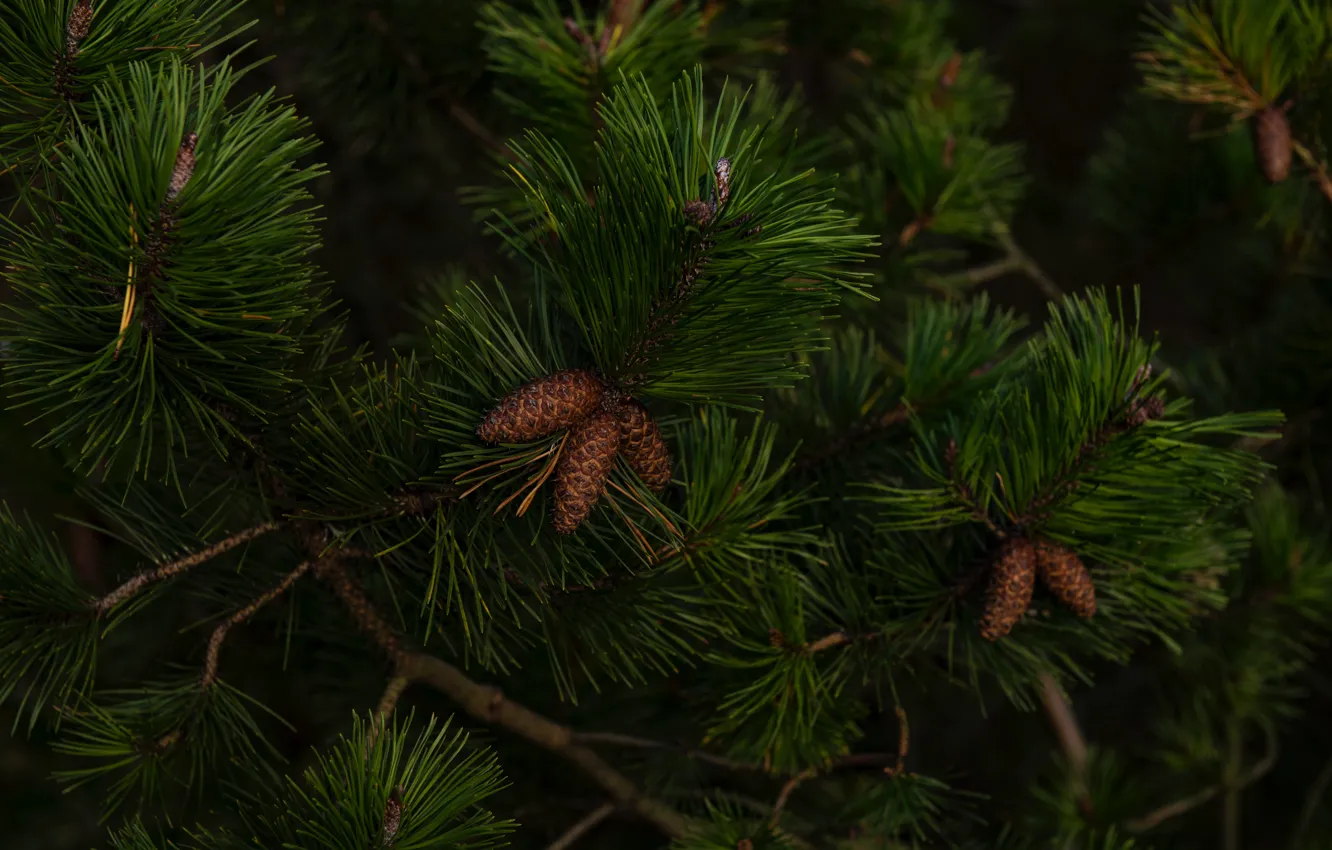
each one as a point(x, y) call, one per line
point(712, 503)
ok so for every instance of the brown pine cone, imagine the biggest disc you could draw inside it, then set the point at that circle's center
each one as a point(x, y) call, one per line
point(1063, 572)
point(1012, 580)
point(643, 447)
point(542, 407)
point(584, 467)
point(1272, 145)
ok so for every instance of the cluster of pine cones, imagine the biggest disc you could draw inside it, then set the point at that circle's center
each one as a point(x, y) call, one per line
point(602, 425)
point(1013, 579)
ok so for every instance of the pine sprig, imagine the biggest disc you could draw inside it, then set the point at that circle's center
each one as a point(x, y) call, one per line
point(163, 740)
point(48, 632)
point(130, 365)
point(408, 790)
point(661, 299)
point(54, 56)
point(1237, 55)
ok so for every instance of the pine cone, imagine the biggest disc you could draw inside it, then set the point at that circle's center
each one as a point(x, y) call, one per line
point(580, 478)
point(1012, 580)
point(643, 447)
point(1271, 141)
point(542, 407)
point(1067, 577)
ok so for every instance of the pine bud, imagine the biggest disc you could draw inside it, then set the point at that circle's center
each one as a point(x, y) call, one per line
point(184, 168)
point(79, 25)
point(392, 818)
point(643, 447)
point(723, 175)
point(697, 213)
point(1272, 144)
point(1148, 409)
point(584, 468)
point(542, 407)
point(1067, 577)
point(1012, 581)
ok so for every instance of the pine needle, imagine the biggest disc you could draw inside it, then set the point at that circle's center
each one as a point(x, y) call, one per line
point(127, 310)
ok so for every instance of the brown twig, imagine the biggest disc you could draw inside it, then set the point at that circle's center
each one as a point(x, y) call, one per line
point(488, 704)
point(1025, 263)
point(616, 738)
point(586, 824)
point(791, 784)
point(134, 585)
point(413, 62)
point(1318, 168)
point(1172, 810)
point(220, 633)
point(389, 701)
point(1069, 734)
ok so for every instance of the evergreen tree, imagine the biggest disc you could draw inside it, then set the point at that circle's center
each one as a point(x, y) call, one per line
point(711, 503)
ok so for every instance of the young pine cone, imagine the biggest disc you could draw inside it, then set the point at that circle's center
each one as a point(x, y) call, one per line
point(542, 407)
point(584, 467)
point(643, 447)
point(1063, 572)
point(1012, 580)
point(1271, 142)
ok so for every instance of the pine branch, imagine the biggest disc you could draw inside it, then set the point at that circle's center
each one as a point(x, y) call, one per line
point(616, 738)
point(175, 568)
point(1159, 816)
point(585, 825)
point(1070, 736)
point(1317, 166)
point(488, 704)
point(220, 633)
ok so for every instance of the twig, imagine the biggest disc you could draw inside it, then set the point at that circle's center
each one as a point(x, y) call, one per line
point(1022, 262)
point(785, 794)
point(578, 830)
point(387, 702)
point(488, 704)
point(1318, 168)
point(1069, 734)
point(648, 744)
point(1171, 810)
point(456, 109)
point(220, 633)
point(134, 585)
point(1311, 800)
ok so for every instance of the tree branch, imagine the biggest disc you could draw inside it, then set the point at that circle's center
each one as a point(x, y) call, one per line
point(1179, 807)
point(220, 633)
point(1070, 737)
point(134, 585)
point(585, 825)
point(489, 705)
point(648, 744)
point(1318, 168)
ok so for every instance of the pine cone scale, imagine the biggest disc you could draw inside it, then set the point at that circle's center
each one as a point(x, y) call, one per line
point(542, 407)
point(1067, 577)
point(1012, 582)
point(584, 468)
point(642, 445)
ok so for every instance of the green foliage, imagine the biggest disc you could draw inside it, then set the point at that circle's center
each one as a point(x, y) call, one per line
point(39, 106)
point(222, 288)
point(559, 69)
point(951, 181)
point(726, 826)
point(629, 268)
point(162, 740)
point(439, 783)
point(1238, 55)
point(48, 633)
